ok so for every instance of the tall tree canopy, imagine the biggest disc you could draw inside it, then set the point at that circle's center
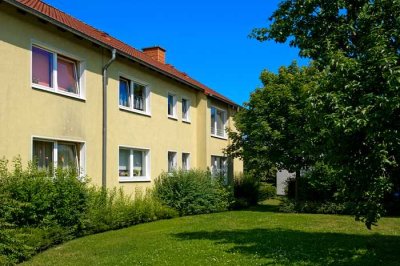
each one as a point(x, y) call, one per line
point(354, 109)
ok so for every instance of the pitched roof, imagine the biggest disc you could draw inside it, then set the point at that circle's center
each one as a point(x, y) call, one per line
point(54, 15)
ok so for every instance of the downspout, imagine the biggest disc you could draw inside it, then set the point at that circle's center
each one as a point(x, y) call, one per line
point(104, 143)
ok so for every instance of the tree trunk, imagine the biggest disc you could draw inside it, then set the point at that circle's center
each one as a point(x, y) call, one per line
point(296, 186)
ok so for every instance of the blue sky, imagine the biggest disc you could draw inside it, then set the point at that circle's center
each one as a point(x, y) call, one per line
point(206, 39)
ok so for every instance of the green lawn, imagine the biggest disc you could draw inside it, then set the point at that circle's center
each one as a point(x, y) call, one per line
point(258, 236)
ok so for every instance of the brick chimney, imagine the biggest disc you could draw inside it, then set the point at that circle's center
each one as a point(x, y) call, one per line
point(156, 53)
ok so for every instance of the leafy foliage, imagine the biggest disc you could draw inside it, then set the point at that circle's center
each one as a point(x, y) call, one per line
point(273, 127)
point(38, 211)
point(354, 109)
point(192, 192)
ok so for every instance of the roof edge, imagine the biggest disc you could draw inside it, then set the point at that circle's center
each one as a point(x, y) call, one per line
point(39, 14)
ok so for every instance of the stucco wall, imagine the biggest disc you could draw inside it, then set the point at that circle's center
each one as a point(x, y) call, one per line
point(26, 112)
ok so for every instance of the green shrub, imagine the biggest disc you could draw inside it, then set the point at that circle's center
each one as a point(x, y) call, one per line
point(266, 191)
point(112, 209)
point(246, 191)
point(192, 192)
point(290, 206)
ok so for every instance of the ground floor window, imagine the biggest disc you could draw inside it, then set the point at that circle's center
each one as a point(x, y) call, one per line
point(50, 154)
point(185, 161)
point(219, 166)
point(133, 164)
point(172, 165)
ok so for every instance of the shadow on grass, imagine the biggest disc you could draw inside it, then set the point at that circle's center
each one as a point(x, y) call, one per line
point(281, 246)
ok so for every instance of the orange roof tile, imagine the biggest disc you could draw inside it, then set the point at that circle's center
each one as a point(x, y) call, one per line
point(70, 22)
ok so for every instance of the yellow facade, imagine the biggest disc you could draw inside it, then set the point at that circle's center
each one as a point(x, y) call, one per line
point(27, 113)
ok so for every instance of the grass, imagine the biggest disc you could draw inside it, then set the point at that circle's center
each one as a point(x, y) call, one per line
point(258, 236)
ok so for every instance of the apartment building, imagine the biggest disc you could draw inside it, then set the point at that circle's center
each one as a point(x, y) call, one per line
point(73, 95)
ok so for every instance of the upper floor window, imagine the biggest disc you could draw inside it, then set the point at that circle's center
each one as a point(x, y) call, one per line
point(172, 105)
point(133, 164)
point(134, 96)
point(49, 154)
point(218, 122)
point(55, 72)
point(185, 110)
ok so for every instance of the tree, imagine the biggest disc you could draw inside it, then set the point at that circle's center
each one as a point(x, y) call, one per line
point(355, 109)
point(272, 126)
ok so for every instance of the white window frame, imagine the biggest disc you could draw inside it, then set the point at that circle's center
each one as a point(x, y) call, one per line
point(175, 161)
point(145, 159)
point(224, 119)
point(55, 141)
point(226, 166)
point(174, 114)
point(79, 64)
point(147, 102)
point(187, 118)
point(187, 161)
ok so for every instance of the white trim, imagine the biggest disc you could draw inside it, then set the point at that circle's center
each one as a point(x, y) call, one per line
point(147, 168)
point(147, 94)
point(174, 115)
point(225, 121)
point(175, 160)
point(189, 103)
point(188, 163)
point(55, 140)
point(79, 65)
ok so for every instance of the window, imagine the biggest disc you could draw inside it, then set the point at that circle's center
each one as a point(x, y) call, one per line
point(171, 105)
point(134, 96)
point(171, 161)
point(133, 164)
point(55, 72)
point(185, 161)
point(218, 122)
point(50, 154)
point(219, 166)
point(185, 110)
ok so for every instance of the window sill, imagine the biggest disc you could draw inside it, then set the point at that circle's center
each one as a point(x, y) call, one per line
point(126, 179)
point(55, 91)
point(219, 137)
point(173, 117)
point(123, 108)
point(186, 121)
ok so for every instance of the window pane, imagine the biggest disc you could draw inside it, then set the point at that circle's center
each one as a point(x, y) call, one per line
point(185, 109)
point(124, 93)
point(220, 123)
point(139, 96)
point(43, 154)
point(212, 120)
point(67, 156)
point(42, 67)
point(185, 161)
point(124, 162)
point(170, 104)
point(66, 75)
point(171, 161)
point(138, 167)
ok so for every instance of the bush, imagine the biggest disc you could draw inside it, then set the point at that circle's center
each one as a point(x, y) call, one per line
point(246, 190)
point(192, 192)
point(290, 206)
point(40, 209)
point(112, 209)
point(266, 191)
